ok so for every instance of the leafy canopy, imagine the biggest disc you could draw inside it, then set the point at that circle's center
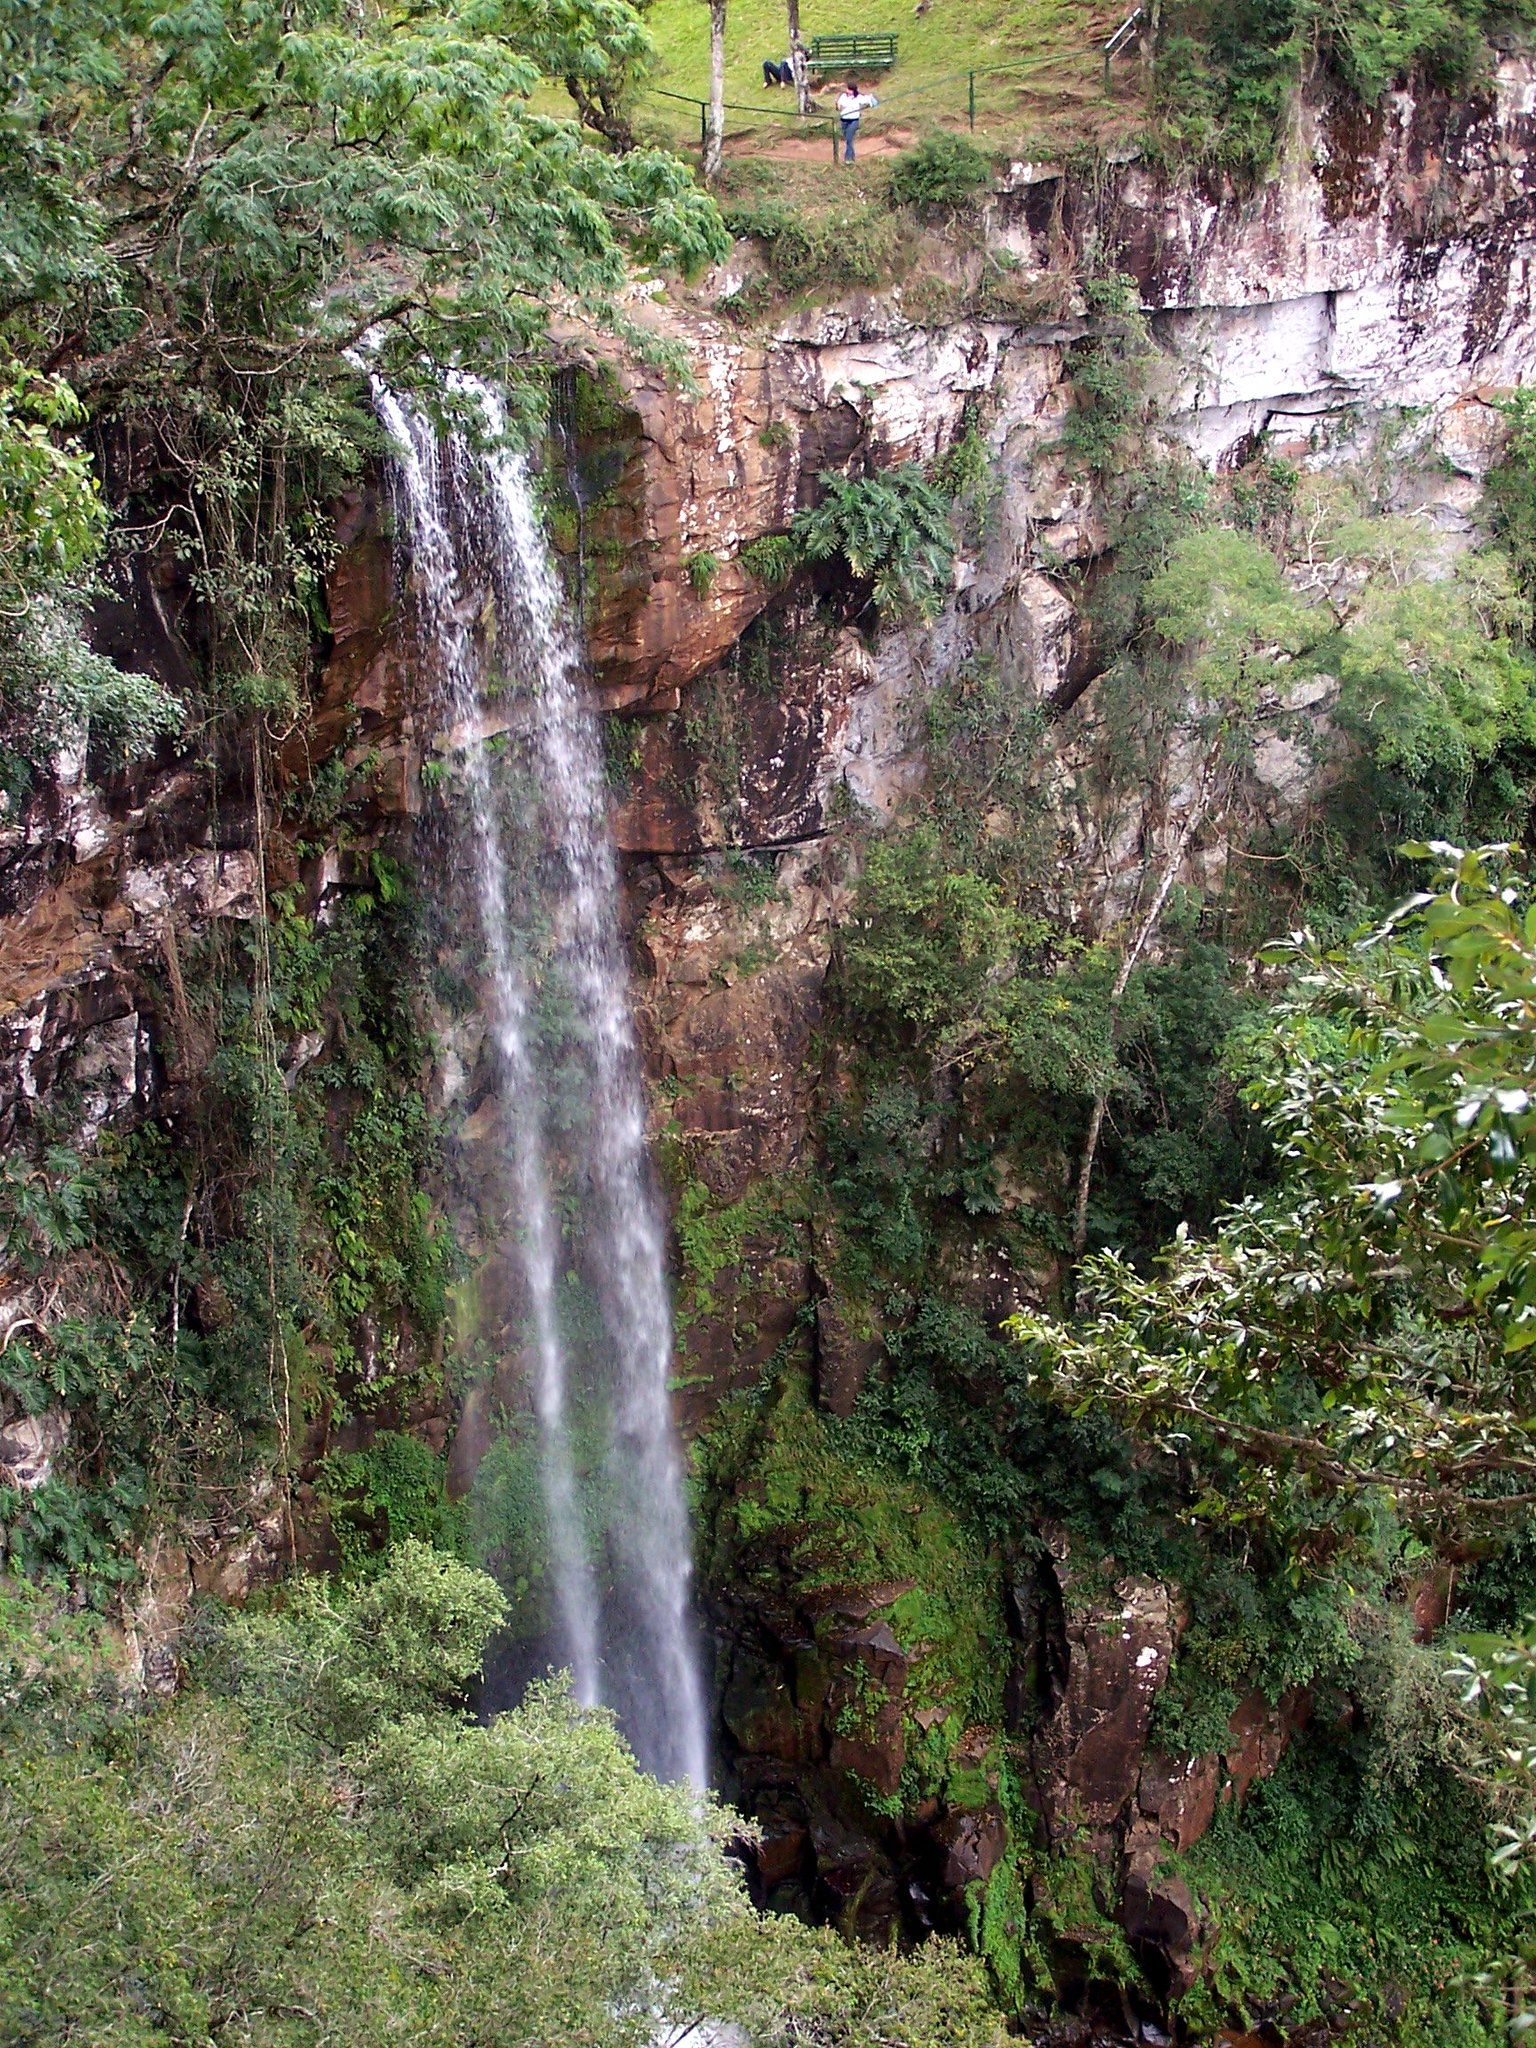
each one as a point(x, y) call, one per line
point(205, 206)
point(1368, 1326)
point(53, 690)
point(892, 529)
point(316, 1845)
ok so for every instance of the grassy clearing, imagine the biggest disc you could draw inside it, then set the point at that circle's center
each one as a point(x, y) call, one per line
point(1054, 98)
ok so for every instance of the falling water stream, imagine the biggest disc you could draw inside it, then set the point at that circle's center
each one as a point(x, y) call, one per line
point(494, 619)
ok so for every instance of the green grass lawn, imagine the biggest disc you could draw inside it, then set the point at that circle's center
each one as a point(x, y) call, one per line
point(1051, 94)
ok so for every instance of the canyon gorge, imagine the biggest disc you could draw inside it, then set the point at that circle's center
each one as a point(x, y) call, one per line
point(940, 1630)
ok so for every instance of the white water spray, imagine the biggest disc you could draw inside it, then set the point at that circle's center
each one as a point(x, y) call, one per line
point(624, 1612)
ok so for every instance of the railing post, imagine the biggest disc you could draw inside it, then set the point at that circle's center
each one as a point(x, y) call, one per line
point(972, 103)
point(704, 120)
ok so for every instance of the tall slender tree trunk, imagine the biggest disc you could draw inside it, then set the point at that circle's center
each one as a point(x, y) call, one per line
point(715, 144)
point(1194, 817)
point(797, 62)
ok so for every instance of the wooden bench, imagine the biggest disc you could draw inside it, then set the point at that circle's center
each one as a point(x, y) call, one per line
point(851, 53)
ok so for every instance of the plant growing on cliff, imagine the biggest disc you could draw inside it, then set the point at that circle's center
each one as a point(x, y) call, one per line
point(1225, 75)
point(942, 174)
point(1364, 1330)
point(892, 529)
point(209, 207)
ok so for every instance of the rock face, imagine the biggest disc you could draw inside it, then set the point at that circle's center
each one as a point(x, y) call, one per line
point(1109, 1659)
point(1388, 266)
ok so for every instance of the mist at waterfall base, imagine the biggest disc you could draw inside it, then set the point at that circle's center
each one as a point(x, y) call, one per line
point(576, 1339)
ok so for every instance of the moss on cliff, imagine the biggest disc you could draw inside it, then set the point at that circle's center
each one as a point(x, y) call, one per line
point(809, 1530)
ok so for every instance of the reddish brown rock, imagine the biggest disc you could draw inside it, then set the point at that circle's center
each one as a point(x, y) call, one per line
point(761, 1714)
point(781, 1855)
point(1260, 1734)
point(848, 1348)
point(864, 1706)
point(1114, 1659)
point(1157, 1910)
point(970, 1845)
point(1430, 1601)
point(1180, 1796)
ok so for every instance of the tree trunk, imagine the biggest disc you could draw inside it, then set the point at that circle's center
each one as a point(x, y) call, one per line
point(599, 113)
point(797, 62)
point(1197, 812)
point(716, 137)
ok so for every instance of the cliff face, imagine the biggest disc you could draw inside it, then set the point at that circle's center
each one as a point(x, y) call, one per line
point(1379, 293)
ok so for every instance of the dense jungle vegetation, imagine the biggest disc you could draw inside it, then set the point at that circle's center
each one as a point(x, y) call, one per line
point(1266, 1205)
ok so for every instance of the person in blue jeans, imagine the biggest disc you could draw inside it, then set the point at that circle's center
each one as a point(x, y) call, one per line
point(850, 105)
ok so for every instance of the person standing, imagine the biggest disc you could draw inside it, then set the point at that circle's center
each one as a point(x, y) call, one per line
point(850, 107)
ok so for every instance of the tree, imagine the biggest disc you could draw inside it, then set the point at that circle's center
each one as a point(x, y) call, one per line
point(599, 49)
point(314, 1843)
point(716, 140)
point(1221, 610)
point(797, 58)
point(207, 208)
point(1366, 1329)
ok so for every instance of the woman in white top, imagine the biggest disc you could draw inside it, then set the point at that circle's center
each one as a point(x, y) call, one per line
point(850, 105)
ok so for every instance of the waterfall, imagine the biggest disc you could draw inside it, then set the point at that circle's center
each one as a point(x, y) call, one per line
point(590, 1247)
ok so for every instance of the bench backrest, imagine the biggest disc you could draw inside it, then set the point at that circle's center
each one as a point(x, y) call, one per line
point(873, 53)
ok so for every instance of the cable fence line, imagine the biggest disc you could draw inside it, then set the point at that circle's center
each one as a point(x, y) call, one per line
point(823, 120)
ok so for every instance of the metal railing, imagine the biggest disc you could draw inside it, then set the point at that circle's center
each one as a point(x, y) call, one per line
point(904, 93)
point(1112, 48)
point(1120, 39)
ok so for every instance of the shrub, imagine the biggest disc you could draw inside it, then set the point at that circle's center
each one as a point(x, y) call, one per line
point(773, 558)
point(848, 245)
point(893, 531)
point(702, 569)
point(941, 175)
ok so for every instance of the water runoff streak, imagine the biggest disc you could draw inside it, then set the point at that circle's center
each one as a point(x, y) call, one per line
point(592, 1305)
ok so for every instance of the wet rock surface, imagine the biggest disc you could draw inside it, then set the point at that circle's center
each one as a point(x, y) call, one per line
point(1387, 267)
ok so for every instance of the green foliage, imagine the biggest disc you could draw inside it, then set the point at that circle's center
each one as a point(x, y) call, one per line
point(1510, 491)
point(1433, 678)
point(1108, 373)
point(52, 518)
point(929, 945)
point(702, 569)
point(319, 1847)
point(712, 1237)
point(1225, 75)
point(54, 691)
point(380, 1496)
point(208, 207)
point(1337, 1889)
point(1366, 1326)
point(808, 250)
point(891, 529)
point(773, 558)
point(600, 49)
point(338, 1664)
point(266, 1247)
point(942, 174)
point(1222, 602)
point(800, 1512)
